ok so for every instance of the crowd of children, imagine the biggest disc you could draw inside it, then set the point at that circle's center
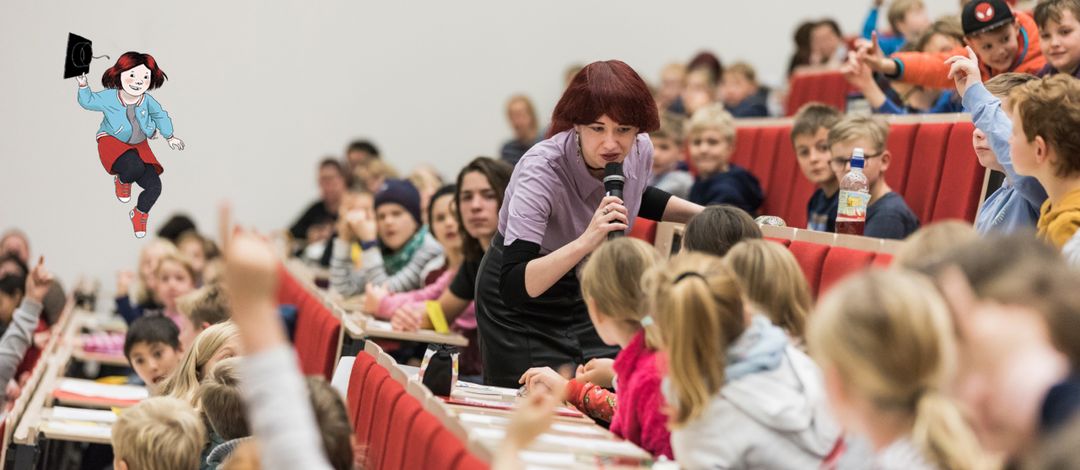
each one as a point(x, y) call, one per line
point(961, 355)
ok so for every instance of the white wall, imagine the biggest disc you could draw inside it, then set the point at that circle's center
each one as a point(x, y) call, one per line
point(260, 91)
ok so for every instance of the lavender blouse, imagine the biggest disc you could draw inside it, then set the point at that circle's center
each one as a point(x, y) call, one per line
point(552, 197)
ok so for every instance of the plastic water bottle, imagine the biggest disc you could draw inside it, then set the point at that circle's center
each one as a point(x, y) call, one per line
point(854, 198)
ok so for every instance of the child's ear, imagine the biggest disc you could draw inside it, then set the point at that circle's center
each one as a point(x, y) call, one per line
point(886, 157)
point(119, 464)
point(204, 326)
point(1040, 149)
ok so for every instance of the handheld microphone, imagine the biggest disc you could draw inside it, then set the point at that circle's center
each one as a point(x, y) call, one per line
point(613, 184)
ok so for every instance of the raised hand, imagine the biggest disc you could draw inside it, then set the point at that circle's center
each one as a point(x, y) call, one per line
point(81, 79)
point(964, 71)
point(37, 283)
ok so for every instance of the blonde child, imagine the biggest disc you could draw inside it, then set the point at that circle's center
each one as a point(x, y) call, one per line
point(174, 278)
point(667, 154)
point(774, 282)
point(617, 307)
point(728, 373)
point(145, 296)
point(741, 93)
point(160, 433)
point(220, 401)
point(217, 342)
point(887, 216)
point(201, 308)
point(1045, 115)
point(711, 137)
point(933, 243)
point(885, 343)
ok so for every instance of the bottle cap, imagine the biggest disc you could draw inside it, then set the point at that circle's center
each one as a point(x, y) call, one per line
point(857, 158)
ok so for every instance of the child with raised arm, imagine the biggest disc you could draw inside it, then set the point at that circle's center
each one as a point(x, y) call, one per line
point(272, 386)
point(1015, 205)
point(1006, 41)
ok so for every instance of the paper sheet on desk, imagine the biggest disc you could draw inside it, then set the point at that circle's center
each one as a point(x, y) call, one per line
point(81, 414)
point(569, 442)
point(114, 392)
point(557, 427)
point(88, 430)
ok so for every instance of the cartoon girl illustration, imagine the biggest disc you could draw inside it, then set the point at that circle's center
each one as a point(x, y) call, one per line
point(131, 117)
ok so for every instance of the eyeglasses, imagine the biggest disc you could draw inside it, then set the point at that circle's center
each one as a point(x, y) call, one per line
point(841, 163)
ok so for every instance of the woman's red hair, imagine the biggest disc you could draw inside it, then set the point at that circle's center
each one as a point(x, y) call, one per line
point(609, 88)
point(128, 61)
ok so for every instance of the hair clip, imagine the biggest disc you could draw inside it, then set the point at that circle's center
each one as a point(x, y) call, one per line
point(647, 321)
point(689, 274)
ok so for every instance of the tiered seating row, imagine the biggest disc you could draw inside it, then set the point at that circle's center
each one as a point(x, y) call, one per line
point(933, 166)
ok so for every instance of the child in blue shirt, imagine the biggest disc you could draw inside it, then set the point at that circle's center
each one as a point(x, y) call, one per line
point(1015, 205)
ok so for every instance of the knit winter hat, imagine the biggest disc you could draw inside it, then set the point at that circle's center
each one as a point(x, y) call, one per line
point(402, 193)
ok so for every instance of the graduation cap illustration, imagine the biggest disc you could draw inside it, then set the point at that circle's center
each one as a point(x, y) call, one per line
point(79, 55)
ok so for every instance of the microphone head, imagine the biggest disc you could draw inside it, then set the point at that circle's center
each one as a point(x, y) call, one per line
point(613, 169)
point(613, 177)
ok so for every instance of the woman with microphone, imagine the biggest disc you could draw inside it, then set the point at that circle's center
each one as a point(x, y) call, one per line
point(529, 308)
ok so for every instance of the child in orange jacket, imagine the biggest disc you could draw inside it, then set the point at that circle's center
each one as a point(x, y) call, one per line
point(1005, 41)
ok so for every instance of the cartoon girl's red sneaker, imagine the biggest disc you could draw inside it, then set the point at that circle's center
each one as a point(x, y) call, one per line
point(123, 191)
point(138, 222)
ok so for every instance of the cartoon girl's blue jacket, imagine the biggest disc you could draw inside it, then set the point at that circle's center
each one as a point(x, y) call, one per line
point(148, 113)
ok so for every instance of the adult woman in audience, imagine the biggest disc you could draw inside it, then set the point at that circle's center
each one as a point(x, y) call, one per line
point(528, 302)
point(521, 114)
point(477, 199)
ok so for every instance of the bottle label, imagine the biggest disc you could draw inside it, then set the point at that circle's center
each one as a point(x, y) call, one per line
point(852, 206)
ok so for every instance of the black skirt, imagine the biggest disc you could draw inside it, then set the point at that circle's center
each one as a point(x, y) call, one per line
point(550, 331)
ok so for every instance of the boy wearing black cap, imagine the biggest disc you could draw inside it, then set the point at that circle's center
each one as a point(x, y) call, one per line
point(398, 251)
point(1004, 40)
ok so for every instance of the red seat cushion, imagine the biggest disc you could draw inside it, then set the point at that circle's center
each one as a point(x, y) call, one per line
point(901, 141)
point(745, 145)
point(927, 158)
point(782, 241)
point(368, 399)
point(420, 438)
point(390, 393)
point(408, 408)
point(811, 257)
point(644, 229)
point(361, 366)
point(882, 259)
point(826, 87)
point(841, 262)
point(961, 178)
point(765, 156)
point(445, 451)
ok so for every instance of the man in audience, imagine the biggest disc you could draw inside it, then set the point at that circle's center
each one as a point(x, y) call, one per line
point(358, 152)
point(810, 137)
point(1045, 144)
point(317, 222)
point(1005, 41)
point(741, 93)
point(888, 216)
point(1060, 36)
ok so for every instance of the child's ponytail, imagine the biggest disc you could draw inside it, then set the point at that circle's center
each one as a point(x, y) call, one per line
point(699, 312)
point(941, 433)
